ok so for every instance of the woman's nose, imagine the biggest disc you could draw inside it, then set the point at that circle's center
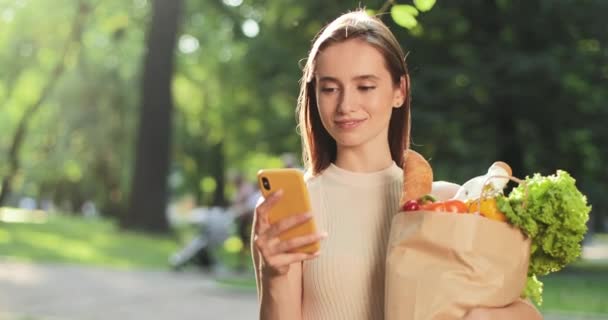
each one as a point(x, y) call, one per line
point(348, 101)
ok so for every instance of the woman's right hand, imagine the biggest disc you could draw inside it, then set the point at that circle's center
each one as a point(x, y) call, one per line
point(276, 254)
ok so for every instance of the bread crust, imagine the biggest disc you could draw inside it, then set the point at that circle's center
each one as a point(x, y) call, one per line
point(417, 176)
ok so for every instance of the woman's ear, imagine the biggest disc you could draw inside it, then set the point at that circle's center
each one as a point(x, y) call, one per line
point(402, 91)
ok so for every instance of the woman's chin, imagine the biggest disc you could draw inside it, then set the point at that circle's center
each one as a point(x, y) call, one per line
point(348, 143)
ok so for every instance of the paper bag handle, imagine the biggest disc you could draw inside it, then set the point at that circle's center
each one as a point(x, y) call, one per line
point(487, 181)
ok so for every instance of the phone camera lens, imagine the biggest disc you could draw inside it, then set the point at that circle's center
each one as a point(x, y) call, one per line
point(266, 183)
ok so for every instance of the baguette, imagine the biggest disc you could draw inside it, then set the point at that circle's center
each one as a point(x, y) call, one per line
point(417, 177)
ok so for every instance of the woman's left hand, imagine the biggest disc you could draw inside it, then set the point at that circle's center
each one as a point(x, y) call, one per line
point(519, 309)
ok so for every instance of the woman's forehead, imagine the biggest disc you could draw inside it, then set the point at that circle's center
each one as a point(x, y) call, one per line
point(351, 58)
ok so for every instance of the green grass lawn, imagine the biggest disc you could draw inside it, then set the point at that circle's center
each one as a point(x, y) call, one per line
point(99, 242)
point(576, 290)
point(64, 239)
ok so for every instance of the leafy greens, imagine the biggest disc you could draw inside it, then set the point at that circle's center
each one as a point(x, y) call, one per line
point(553, 213)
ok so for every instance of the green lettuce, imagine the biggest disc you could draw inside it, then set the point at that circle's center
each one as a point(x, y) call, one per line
point(533, 290)
point(553, 213)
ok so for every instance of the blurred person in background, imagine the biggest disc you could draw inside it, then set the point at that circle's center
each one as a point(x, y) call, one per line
point(243, 207)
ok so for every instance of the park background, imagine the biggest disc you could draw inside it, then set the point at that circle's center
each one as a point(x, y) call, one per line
point(122, 121)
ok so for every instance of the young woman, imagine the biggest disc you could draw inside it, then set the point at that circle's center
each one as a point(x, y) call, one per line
point(354, 114)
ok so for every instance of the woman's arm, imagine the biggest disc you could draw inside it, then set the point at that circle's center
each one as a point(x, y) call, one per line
point(280, 296)
point(520, 309)
point(278, 272)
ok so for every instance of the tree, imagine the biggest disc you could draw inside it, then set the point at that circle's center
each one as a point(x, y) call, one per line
point(19, 136)
point(479, 69)
point(516, 81)
point(148, 199)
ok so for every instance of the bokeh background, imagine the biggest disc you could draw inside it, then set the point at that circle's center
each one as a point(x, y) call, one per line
point(132, 130)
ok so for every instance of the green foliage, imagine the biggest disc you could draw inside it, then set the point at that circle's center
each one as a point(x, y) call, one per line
point(490, 80)
point(76, 146)
point(424, 5)
point(553, 213)
point(405, 15)
point(534, 290)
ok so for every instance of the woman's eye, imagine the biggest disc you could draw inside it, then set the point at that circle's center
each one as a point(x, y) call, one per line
point(329, 90)
point(366, 88)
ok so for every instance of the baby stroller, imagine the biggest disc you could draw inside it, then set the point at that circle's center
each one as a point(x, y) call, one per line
point(216, 224)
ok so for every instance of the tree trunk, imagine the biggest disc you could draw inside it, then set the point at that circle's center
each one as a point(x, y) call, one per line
point(504, 116)
point(149, 190)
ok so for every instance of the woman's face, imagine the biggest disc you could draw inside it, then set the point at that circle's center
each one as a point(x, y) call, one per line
point(355, 94)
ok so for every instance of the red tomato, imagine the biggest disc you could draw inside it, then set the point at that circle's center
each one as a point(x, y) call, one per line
point(434, 206)
point(451, 206)
point(456, 206)
point(411, 205)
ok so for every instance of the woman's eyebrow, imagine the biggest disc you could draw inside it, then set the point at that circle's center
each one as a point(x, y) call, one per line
point(366, 77)
point(328, 79)
point(359, 77)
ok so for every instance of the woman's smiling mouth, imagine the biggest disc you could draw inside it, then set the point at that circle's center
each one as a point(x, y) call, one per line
point(348, 123)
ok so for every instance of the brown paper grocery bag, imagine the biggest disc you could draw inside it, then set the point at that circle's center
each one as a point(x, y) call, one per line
point(440, 265)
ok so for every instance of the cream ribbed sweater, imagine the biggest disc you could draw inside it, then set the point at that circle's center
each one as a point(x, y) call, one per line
point(347, 280)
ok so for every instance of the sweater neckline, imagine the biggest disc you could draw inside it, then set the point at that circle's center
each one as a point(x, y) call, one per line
point(364, 179)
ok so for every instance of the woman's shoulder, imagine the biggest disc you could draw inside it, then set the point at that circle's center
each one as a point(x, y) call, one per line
point(311, 180)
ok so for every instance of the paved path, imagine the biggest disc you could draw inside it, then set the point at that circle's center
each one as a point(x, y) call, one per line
point(41, 292)
point(50, 292)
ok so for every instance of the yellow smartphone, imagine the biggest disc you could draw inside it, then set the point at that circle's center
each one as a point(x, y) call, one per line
point(295, 200)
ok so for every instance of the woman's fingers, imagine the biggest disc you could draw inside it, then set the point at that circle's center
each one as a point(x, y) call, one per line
point(287, 246)
point(272, 246)
point(297, 257)
point(267, 238)
point(279, 261)
point(261, 211)
point(287, 223)
point(278, 254)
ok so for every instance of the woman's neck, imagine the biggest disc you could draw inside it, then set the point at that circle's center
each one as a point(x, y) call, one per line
point(357, 160)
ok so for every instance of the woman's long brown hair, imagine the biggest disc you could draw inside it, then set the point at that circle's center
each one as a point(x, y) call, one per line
point(318, 147)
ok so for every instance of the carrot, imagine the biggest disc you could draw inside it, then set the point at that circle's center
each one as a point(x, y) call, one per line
point(417, 176)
